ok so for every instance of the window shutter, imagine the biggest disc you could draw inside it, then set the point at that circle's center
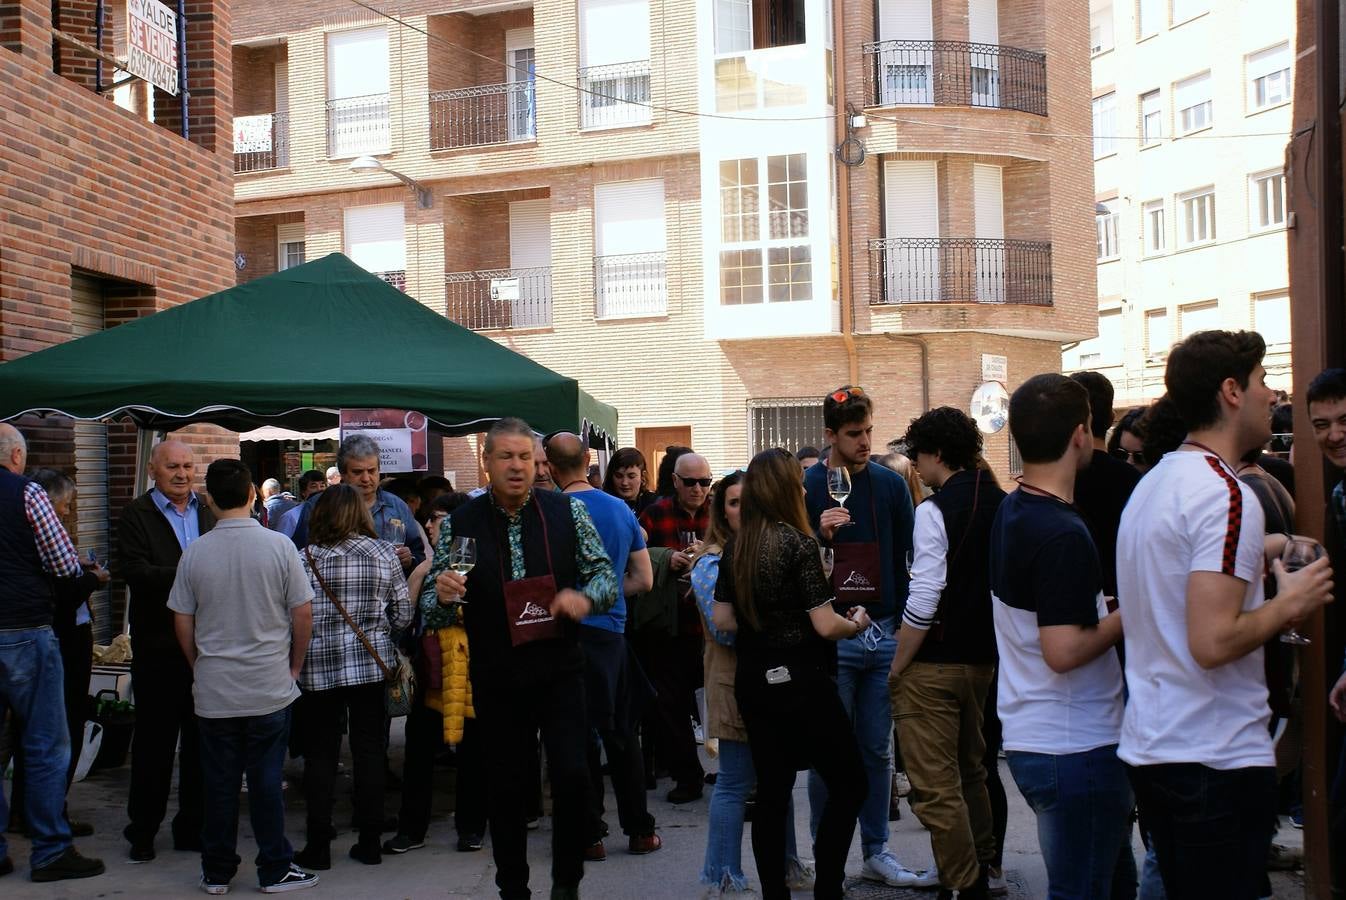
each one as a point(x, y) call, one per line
point(375, 237)
point(1192, 91)
point(357, 63)
point(989, 201)
point(906, 20)
point(629, 217)
point(983, 22)
point(614, 31)
point(911, 199)
point(1267, 61)
point(529, 234)
point(93, 527)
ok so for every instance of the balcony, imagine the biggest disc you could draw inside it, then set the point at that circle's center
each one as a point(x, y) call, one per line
point(491, 299)
point(615, 95)
point(955, 73)
point(483, 114)
point(630, 285)
point(960, 270)
point(358, 125)
point(261, 142)
point(397, 278)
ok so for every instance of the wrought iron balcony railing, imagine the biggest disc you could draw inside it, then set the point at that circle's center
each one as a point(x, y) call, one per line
point(631, 284)
point(955, 73)
point(397, 278)
point(358, 125)
point(483, 114)
point(499, 298)
point(261, 142)
point(960, 270)
point(615, 95)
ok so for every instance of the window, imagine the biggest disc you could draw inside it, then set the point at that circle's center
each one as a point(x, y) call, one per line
point(1198, 317)
point(1151, 119)
point(1192, 99)
point(789, 422)
point(733, 26)
point(614, 38)
point(358, 117)
point(1197, 217)
point(1189, 9)
point(1271, 318)
point(779, 267)
point(1149, 17)
point(630, 248)
point(1105, 223)
point(1100, 27)
point(290, 245)
point(1268, 200)
point(376, 239)
point(1107, 348)
point(1152, 224)
point(1157, 336)
point(777, 23)
point(1269, 77)
point(1105, 125)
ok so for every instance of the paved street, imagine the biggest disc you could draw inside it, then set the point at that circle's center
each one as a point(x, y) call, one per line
point(440, 871)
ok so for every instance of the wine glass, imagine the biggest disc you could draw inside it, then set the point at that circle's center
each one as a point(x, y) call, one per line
point(839, 483)
point(909, 561)
point(1298, 553)
point(688, 540)
point(828, 560)
point(395, 532)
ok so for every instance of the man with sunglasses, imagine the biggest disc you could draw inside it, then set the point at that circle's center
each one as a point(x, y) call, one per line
point(1103, 487)
point(870, 537)
point(674, 663)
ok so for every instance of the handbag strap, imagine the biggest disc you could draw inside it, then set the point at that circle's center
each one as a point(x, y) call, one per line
point(313, 567)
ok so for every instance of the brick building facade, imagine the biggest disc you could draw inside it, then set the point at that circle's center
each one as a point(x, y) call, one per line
point(105, 216)
point(645, 196)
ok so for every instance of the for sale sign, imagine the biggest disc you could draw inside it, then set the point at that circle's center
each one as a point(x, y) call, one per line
point(152, 54)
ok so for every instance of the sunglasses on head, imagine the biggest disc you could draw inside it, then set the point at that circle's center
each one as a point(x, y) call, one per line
point(704, 482)
point(841, 396)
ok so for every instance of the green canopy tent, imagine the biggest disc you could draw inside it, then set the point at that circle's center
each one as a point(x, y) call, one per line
point(290, 350)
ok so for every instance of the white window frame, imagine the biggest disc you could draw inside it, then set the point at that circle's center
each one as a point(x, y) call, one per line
point(1106, 227)
point(1105, 124)
point(1182, 13)
point(1282, 296)
point(1151, 118)
point(1102, 29)
point(1154, 228)
point(1187, 237)
point(1202, 110)
point(1269, 70)
point(1158, 11)
point(1266, 192)
point(765, 244)
point(1155, 354)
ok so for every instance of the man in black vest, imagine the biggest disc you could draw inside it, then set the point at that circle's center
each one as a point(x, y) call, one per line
point(540, 568)
point(946, 650)
point(153, 531)
point(34, 548)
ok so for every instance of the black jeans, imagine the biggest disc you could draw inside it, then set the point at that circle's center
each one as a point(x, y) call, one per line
point(162, 683)
point(801, 725)
point(229, 748)
point(609, 679)
point(509, 714)
point(369, 757)
point(1210, 828)
point(425, 735)
point(673, 666)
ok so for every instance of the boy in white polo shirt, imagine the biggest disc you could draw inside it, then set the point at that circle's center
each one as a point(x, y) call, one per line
point(1191, 555)
point(1060, 685)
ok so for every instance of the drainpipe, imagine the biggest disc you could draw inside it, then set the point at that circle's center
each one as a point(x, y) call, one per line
point(925, 363)
point(844, 267)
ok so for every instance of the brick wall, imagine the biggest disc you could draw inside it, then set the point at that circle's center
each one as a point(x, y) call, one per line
point(255, 79)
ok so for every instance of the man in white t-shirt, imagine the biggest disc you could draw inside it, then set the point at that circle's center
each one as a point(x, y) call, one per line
point(1060, 685)
point(1191, 556)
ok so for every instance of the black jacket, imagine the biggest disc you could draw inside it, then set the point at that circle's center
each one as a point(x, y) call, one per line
point(147, 555)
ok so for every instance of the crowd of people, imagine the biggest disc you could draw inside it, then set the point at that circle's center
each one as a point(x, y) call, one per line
point(889, 624)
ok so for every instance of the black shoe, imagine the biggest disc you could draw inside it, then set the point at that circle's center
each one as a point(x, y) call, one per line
point(69, 865)
point(369, 854)
point(564, 893)
point(684, 793)
point(314, 856)
point(402, 843)
point(469, 843)
point(6, 865)
point(142, 851)
point(79, 829)
point(293, 880)
point(187, 845)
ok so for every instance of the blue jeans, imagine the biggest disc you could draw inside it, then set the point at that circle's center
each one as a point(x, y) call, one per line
point(1083, 804)
point(724, 839)
point(33, 686)
point(230, 747)
point(1151, 883)
point(862, 681)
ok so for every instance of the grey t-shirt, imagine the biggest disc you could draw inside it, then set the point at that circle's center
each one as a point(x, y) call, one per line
point(240, 581)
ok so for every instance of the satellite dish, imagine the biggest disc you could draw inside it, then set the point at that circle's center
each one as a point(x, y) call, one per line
point(990, 407)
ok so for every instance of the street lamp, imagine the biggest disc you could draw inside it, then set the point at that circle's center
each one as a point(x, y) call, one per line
point(364, 165)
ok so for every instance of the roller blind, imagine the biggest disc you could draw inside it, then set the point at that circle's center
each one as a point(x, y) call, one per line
point(357, 63)
point(376, 238)
point(629, 217)
point(614, 31)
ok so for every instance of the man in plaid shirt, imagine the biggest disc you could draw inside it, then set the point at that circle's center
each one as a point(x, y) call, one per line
point(34, 547)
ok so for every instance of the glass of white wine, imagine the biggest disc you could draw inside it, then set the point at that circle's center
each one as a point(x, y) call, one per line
point(828, 560)
point(463, 556)
point(1297, 554)
point(839, 484)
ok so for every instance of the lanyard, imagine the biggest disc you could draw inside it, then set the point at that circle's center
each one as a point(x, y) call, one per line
point(503, 552)
point(1202, 447)
point(1043, 492)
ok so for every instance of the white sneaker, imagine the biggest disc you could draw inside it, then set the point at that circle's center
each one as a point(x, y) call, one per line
point(884, 868)
point(995, 880)
point(212, 887)
point(903, 783)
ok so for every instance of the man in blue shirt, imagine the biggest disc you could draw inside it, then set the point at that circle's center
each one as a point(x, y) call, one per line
point(615, 684)
point(870, 537)
point(358, 463)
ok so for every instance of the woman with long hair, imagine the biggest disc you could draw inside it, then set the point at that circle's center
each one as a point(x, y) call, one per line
point(360, 598)
point(723, 869)
point(902, 465)
point(773, 591)
point(628, 479)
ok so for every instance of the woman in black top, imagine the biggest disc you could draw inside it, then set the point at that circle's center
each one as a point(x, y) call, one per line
point(772, 590)
point(628, 478)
